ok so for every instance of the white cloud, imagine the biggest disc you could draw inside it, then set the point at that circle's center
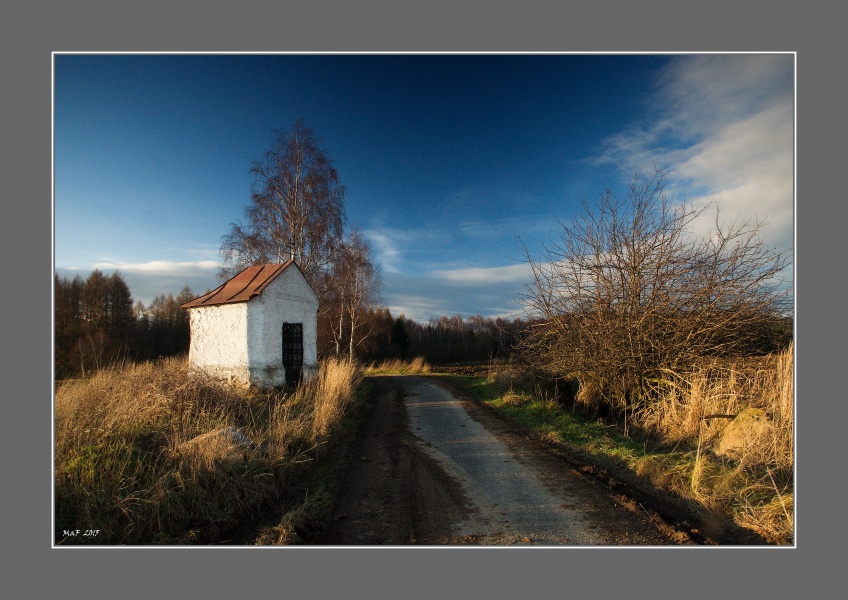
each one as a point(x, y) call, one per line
point(699, 92)
point(757, 146)
point(486, 275)
point(384, 243)
point(425, 297)
point(395, 248)
point(725, 130)
point(415, 306)
point(160, 267)
point(205, 252)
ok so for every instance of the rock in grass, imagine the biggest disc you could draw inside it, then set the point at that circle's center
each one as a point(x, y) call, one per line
point(743, 432)
point(228, 444)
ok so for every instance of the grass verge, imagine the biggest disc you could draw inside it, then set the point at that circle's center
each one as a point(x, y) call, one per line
point(305, 506)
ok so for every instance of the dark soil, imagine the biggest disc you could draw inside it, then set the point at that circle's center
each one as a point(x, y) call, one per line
point(392, 493)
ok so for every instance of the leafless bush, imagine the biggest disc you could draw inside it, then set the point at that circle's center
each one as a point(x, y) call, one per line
point(629, 290)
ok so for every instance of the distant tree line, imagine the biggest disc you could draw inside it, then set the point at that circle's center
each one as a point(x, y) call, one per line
point(97, 324)
point(163, 327)
point(446, 340)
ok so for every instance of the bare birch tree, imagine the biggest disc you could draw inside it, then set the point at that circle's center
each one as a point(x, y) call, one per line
point(355, 291)
point(296, 209)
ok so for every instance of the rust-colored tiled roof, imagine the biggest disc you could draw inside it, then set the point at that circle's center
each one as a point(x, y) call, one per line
point(242, 287)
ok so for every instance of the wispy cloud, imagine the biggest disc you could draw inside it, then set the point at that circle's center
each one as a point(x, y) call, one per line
point(425, 297)
point(723, 125)
point(386, 246)
point(397, 249)
point(486, 275)
point(417, 307)
point(160, 267)
point(507, 227)
point(205, 252)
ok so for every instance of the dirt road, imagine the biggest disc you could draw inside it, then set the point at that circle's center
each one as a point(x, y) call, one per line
point(430, 468)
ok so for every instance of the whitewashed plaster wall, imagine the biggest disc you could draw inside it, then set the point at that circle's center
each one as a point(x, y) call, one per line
point(287, 299)
point(219, 341)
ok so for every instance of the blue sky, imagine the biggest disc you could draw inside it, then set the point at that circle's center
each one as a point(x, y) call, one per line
point(449, 161)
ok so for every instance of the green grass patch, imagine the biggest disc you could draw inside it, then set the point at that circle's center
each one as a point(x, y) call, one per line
point(586, 439)
point(552, 421)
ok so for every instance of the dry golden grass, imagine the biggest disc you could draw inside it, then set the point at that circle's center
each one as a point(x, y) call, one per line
point(150, 453)
point(687, 405)
point(508, 377)
point(511, 398)
point(755, 483)
point(332, 391)
point(505, 378)
point(407, 367)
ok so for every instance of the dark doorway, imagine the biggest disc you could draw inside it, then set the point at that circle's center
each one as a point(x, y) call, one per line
point(293, 352)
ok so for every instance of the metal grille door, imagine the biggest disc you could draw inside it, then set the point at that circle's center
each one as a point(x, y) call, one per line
point(293, 352)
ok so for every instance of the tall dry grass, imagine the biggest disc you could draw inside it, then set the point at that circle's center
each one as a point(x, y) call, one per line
point(416, 365)
point(755, 482)
point(153, 454)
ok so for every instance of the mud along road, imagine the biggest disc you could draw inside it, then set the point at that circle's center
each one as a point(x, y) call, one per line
point(431, 468)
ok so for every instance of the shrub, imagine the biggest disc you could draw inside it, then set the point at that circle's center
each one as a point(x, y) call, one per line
point(630, 289)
